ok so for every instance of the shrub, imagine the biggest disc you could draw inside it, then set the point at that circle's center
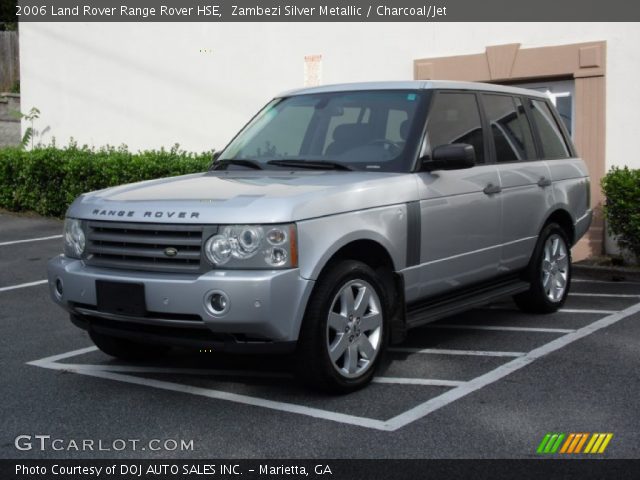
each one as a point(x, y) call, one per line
point(621, 187)
point(47, 179)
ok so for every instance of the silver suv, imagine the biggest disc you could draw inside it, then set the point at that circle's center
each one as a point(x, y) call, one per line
point(336, 220)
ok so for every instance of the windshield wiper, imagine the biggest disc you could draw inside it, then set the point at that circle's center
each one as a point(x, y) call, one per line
point(232, 161)
point(313, 164)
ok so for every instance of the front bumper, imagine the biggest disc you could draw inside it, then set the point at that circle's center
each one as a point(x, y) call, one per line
point(266, 307)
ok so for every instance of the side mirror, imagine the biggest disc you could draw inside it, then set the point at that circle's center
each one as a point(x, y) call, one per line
point(454, 156)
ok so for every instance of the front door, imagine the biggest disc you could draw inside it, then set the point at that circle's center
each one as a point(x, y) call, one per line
point(460, 209)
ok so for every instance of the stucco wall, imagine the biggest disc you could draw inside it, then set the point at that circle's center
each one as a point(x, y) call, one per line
point(149, 85)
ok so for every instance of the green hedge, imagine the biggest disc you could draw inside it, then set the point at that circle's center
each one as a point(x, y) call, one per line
point(621, 187)
point(47, 179)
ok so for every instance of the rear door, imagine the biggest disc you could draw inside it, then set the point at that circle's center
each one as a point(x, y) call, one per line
point(524, 177)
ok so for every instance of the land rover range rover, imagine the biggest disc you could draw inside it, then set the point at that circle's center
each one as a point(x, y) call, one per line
point(336, 220)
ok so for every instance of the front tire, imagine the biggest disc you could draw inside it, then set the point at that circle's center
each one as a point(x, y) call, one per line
point(549, 273)
point(126, 349)
point(345, 329)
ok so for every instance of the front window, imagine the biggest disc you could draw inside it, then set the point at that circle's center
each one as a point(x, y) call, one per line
point(455, 118)
point(364, 130)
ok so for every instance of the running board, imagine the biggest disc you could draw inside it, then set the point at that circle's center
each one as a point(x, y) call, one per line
point(435, 309)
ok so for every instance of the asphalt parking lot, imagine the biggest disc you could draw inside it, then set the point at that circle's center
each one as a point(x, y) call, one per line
point(489, 383)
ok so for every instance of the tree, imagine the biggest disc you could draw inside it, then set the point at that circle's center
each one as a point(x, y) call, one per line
point(8, 17)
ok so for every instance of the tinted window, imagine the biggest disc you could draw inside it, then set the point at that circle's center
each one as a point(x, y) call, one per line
point(553, 144)
point(527, 135)
point(397, 123)
point(284, 132)
point(509, 128)
point(347, 116)
point(454, 118)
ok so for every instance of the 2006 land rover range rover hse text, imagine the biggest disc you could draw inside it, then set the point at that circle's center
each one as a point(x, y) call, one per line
point(337, 219)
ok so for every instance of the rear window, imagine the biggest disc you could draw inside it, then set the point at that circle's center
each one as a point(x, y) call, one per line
point(553, 143)
point(509, 128)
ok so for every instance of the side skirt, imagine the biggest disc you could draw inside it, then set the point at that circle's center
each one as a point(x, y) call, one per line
point(429, 310)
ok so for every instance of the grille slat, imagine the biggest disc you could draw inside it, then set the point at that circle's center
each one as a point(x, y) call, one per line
point(143, 252)
point(133, 246)
point(151, 240)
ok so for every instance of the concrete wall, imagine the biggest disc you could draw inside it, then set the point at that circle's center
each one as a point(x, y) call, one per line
point(151, 85)
point(9, 121)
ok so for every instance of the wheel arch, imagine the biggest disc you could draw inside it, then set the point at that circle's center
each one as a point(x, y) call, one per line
point(562, 217)
point(375, 255)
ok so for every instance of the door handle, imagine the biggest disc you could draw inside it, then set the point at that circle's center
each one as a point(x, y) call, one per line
point(492, 189)
point(544, 182)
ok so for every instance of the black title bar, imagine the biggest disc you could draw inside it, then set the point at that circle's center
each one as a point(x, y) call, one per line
point(327, 11)
point(318, 469)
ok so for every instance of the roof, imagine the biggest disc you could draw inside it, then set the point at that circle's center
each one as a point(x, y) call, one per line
point(414, 85)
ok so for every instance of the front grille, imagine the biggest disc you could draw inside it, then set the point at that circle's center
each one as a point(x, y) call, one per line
point(143, 246)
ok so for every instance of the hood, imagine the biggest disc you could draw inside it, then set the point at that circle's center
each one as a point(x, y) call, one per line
point(245, 197)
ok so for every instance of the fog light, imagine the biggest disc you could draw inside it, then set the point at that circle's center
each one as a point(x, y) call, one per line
point(59, 289)
point(217, 303)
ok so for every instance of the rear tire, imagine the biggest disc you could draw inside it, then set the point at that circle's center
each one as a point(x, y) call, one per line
point(549, 272)
point(127, 349)
point(345, 329)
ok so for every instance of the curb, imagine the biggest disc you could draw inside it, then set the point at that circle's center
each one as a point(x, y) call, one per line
point(611, 274)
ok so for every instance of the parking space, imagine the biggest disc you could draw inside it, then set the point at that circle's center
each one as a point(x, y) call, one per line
point(485, 383)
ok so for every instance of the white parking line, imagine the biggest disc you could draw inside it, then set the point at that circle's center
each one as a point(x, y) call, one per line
point(216, 394)
point(442, 351)
point(502, 371)
point(173, 370)
point(507, 308)
point(501, 328)
point(22, 285)
point(418, 381)
point(604, 295)
point(44, 362)
point(27, 240)
point(47, 362)
point(583, 310)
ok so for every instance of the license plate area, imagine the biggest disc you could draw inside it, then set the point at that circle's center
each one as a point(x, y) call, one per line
point(121, 298)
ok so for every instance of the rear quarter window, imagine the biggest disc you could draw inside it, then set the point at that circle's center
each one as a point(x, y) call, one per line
point(552, 141)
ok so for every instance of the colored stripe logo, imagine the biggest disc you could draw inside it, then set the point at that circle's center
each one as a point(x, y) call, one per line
point(574, 443)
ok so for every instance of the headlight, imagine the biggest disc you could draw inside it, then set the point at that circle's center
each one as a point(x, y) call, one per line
point(74, 239)
point(253, 246)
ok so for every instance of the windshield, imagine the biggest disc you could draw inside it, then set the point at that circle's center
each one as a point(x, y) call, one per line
point(362, 130)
